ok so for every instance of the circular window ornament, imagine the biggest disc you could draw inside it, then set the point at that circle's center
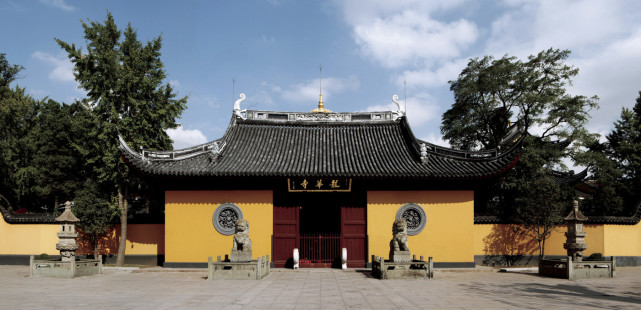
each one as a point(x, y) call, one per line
point(225, 218)
point(414, 216)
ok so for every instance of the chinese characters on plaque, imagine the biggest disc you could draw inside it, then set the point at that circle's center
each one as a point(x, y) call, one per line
point(319, 185)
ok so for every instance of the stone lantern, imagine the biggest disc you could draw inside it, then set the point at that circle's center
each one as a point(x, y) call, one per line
point(575, 237)
point(67, 244)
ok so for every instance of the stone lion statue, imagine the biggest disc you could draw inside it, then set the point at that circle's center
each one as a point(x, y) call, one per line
point(241, 238)
point(399, 241)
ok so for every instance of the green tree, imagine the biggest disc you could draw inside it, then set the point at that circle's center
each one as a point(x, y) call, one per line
point(58, 166)
point(492, 94)
point(624, 143)
point(539, 214)
point(96, 212)
point(124, 82)
point(615, 165)
point(18, 114)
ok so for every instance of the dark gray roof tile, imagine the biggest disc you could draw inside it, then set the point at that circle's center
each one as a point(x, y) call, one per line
point(285, 148)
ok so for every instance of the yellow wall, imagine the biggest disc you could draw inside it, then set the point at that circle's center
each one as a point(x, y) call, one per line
point(28, 239)
point(35, 239)
point(142, 239)
point(449, 231)
point(507, 239)
point(622, 240)
point(190, 235)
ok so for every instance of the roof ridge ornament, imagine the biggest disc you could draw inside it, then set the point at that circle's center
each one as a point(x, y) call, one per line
point(240, 113)
point(401, 110)
point(423, 153)
point(321, 107)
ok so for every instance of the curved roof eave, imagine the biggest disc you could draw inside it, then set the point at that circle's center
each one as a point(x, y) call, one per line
point(367, 136)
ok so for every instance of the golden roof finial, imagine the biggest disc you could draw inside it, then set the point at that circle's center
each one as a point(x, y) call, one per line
point(321, 107)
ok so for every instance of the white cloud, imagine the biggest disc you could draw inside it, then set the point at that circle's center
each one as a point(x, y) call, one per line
point(613, 74)
point(412, 37)
point(436, 139)
point(604, 37)
point(421, 108)
point(309, 90)
point(267, 39)
point(184, 138)
point(59, 4)
point(362, 11)
point(10, 5)
point(174, 83)
point(428, 77)
point(63, 68)
point(406, 35)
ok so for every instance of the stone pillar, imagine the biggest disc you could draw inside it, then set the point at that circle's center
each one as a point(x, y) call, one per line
point(67, 235)
point(575, 237)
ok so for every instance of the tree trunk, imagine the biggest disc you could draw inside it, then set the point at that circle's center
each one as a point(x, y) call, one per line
point(122, 203)
point(96, 237)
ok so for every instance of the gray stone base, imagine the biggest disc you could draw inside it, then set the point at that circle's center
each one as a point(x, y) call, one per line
point(240, 256)
point(65, 269)
point(383, 269)
point(225, 270)
point(400, 256)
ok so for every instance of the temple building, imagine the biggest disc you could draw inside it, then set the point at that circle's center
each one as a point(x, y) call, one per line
point(320, 181)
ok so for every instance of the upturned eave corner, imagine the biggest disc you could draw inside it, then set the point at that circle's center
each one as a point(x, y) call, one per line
point(124, 147)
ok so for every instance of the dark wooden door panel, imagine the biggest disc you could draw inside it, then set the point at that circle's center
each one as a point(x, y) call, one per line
point(285, 235)
point(354, 234)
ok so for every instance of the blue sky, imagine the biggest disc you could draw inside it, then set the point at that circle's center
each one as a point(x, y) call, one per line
point(273, 49)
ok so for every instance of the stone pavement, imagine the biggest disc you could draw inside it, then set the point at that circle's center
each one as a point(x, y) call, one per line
point(158, 288)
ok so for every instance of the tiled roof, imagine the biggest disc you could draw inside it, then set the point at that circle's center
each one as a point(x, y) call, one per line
point(282, 144)
point(592, 219)
point(569, 177)
point(23, 218)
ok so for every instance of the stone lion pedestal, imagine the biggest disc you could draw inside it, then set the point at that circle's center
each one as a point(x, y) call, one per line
point(401, 264)
point(239, 265)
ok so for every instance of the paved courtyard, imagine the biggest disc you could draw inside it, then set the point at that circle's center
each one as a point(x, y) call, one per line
point(158, 288)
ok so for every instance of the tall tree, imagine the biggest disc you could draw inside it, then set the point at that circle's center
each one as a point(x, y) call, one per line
point(18, 114)
point(490, 95)
point(124, 82)
point(615, 165)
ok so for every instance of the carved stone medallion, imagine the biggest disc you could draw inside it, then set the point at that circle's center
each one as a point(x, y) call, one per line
point(225, 218)
point(414, 215)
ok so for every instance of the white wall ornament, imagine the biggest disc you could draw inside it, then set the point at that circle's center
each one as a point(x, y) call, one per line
point(225, 217)
point(415, 217)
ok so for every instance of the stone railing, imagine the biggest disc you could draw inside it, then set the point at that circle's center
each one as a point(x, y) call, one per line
point(567, 269)
point(65, 269)
point(383, 269)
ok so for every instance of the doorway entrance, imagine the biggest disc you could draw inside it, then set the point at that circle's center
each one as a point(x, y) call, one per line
point(320, 231)
point(319, 225)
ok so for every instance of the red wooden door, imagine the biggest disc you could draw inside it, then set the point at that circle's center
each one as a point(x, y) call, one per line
point(354, 235)
point(285, 237)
